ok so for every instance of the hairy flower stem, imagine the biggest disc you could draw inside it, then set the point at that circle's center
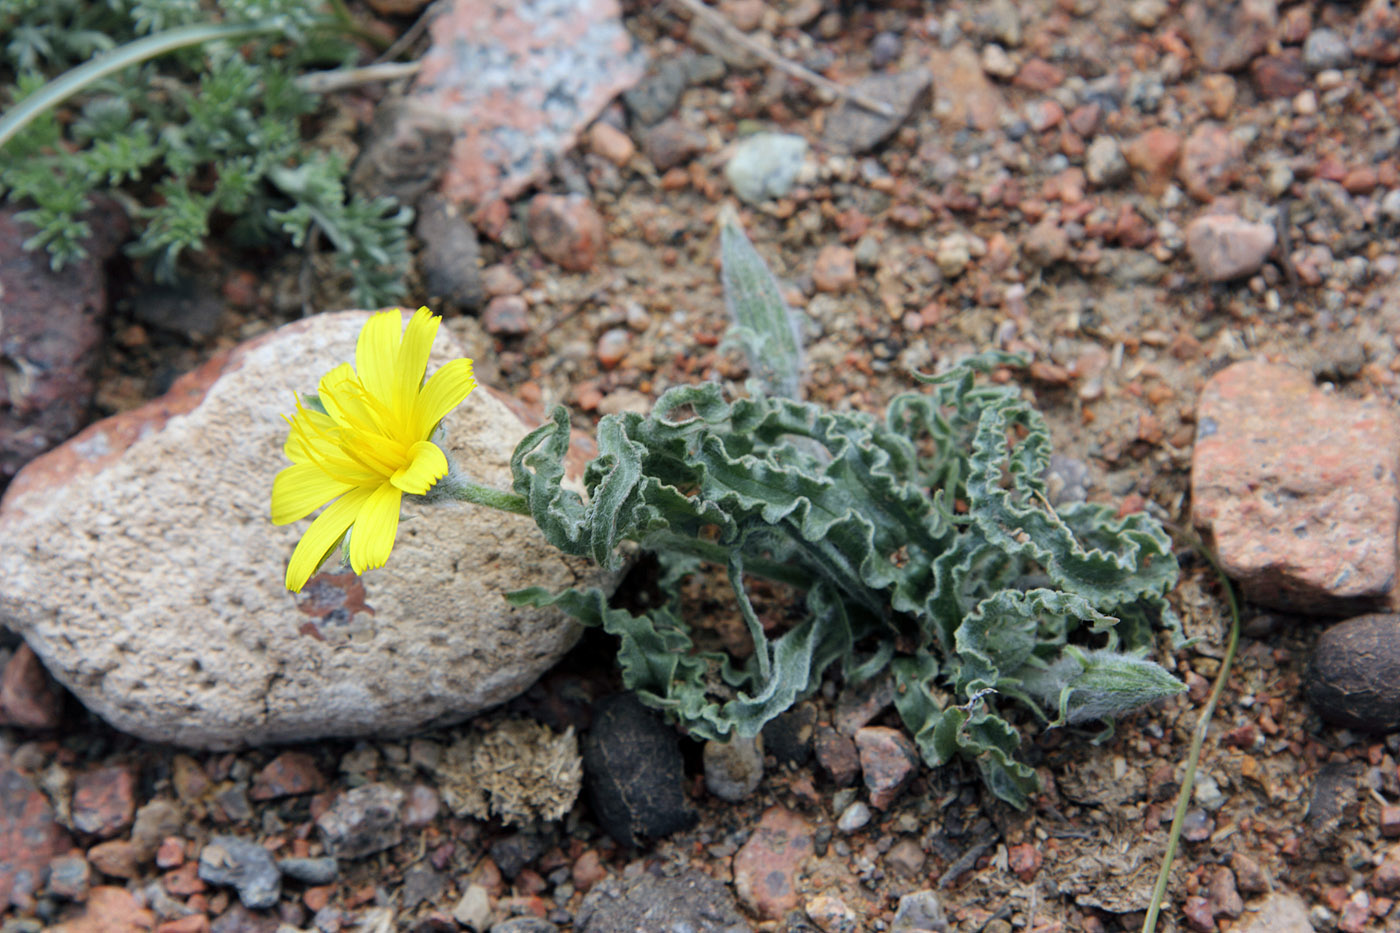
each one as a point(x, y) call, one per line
point(1183, 797)
point(464, 490)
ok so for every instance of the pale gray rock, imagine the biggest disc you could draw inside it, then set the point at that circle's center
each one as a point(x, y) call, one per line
point(765, 165)
point(1280, 912)
point(734, 769)
point(140, 563)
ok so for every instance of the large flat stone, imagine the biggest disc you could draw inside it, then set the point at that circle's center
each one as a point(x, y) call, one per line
point(1297, 488)
point(140, 564)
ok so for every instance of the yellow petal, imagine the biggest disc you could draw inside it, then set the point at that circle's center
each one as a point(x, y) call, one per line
point(375, 527)
point(427, 466)
point(443, 392)
point(377, 350)
point(300, 490)
point(322, 537)
point(336, 389)
point(413, 360)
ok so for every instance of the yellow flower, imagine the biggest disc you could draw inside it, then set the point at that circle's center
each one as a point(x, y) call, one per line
point(370, 446)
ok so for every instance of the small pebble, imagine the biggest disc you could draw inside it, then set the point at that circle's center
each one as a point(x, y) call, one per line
point(612, 346)
point(363, 821)
point(247, 867)
point(918, 912)
point(321, 870)
point(854, 818)
point(832, 915)
point(835, 268)
point(733, 769)
point(765, 166)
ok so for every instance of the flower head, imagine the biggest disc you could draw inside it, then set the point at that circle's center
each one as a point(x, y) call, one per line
point(369, 446)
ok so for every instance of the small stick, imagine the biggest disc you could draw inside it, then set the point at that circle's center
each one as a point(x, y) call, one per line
point(736, 35)
point(326, 82)
point(410, 36)
point(1198, 738)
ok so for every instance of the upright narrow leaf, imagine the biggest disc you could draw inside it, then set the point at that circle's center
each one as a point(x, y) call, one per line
point(762, 322)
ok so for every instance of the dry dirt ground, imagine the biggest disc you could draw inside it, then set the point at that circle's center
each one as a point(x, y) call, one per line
point(1093, 280)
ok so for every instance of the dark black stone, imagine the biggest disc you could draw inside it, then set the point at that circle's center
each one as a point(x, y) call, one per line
point(789, 737)
point(693, 901)
point(512, 853)
point(634, 772)
point(1353, 679)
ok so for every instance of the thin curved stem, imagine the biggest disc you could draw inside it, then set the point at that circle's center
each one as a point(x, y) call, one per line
point(74, 81)
point(1183, 797)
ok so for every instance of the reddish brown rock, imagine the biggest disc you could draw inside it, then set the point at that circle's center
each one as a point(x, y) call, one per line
point(1198, 915)
point(110, 910)
point(671, 143)
point(1250, 877)
point(1227, 34)
point(1218, 93)
point(1224, 897)
point(963, 96)
point(765, 869)
point(1225, 247)
point(835, 268)
point(888, 762)
point(567, 230)
point(1281, 75)
point(29, 836)
point(611, 143)
point(52, 327)
point(506, 316)
point(1024, 860)
point(117, 858)
point(1297, 489)
point(1039, 75)
point(1211, 161)
point(28, 696)
point(290, 774)
point(1153, 156)
point(104, 801)
point(1386, 879)
point(837, 755)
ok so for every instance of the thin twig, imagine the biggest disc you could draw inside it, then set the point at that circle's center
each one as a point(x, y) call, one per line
point(410, 35)
point(1183, 797)
point(328, 82)
point(733, 34)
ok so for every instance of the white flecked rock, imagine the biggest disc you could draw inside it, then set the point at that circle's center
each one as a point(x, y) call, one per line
point(140, 563)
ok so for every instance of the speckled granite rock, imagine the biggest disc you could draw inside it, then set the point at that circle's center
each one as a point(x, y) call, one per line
point(1297, 488)
point(140, 564)
point(516, 83)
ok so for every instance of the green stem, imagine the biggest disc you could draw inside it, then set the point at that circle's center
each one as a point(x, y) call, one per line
point(1183, 797)
point(464, 490)
point(74, 81)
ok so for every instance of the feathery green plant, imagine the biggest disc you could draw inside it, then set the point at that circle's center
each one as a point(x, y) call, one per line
point(923, 541)
point(188, 129)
